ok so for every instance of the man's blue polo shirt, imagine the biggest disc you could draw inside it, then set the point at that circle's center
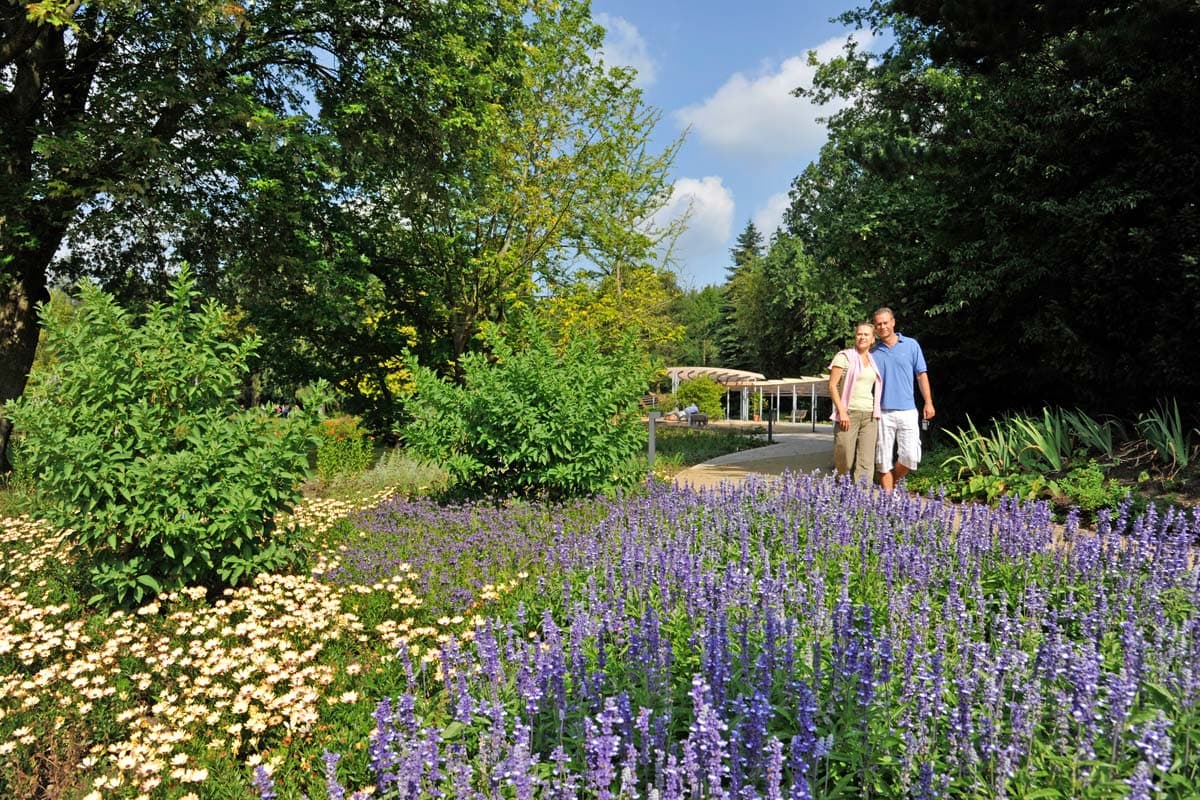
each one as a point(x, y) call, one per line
point(898, 366)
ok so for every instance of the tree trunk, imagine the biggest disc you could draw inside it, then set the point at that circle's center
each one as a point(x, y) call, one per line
point(18, 338)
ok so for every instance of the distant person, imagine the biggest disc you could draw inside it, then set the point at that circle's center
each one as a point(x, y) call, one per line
point(901, 362)
point(856, 387)
point(689, 410)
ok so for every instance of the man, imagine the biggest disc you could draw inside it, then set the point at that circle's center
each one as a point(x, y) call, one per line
point(900, 362)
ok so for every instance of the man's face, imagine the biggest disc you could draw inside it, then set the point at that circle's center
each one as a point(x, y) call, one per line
point(885, 325)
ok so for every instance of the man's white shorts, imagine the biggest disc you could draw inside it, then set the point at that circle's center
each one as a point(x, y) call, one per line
point(899, 429)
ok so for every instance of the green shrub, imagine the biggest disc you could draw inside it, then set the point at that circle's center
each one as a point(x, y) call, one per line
point(1086, 486)
point(704, 392)
point(394, 471)
point(533, 421)
point(343, 447)
point(135, 442)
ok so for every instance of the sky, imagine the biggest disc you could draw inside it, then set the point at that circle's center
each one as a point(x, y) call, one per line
point(723, 72)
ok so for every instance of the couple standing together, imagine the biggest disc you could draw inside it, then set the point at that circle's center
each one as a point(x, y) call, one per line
point(875, 416)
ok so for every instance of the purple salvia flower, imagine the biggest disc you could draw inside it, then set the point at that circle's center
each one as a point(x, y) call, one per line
point(774, 769)
point(629, 773)
point(674, 783)
point(488, 651)
point(334, 789)
point(460, 772)
point(962, 728)
point(602, 746)
point(432, 762)
point(382, 750)
point(263, 783)
point(517, 769)
point(757, 717)
point(642, 726)
point(529, 688)
point(565, 783)
point(736, 770)
point(1120, 692)
point(1085, 677)
point(1141, 783)
point(925, 789)
point(1154, 743)
point(552, 666)
point(706, 740)
point(865, 666)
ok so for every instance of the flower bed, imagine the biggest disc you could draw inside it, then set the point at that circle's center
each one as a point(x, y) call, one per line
point(806, 638)
point(820, 640)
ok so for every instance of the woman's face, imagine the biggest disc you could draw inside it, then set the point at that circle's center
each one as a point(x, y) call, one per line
point(864, 337)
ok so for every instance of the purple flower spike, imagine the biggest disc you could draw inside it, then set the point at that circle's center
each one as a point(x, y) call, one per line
point(263, 783)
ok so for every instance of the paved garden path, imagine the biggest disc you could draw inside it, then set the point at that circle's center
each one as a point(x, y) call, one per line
point(797, 450)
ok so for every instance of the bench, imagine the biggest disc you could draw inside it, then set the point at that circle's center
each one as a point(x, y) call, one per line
point(697, 420)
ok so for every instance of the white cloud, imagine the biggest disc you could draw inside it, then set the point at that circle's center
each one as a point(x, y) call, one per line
point(770, 215)
point(709, 222)
point(759, 116)
point(625, 47)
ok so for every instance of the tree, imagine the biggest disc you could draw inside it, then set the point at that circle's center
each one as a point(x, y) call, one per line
point(640, 311)
point(810, 310)
point(562, 179)
point(741, 292)
point(699, 312)
point(1022, 187)
point(355, 181)
point(111, 109)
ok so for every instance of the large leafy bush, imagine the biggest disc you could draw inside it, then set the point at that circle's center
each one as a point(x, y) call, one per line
point(704, 392)
point(533, 421)
point(134, 437)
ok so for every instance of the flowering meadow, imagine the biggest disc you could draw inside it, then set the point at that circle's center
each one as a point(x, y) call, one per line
point(798, 638)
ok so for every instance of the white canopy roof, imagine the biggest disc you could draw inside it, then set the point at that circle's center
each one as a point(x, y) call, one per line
point(718, 374)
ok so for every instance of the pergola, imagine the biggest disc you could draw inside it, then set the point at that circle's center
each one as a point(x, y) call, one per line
point(719, 374)
point(813, 386)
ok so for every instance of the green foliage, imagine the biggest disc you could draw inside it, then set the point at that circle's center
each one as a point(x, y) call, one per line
point(286, 150)
point(1044, 443)
point(136, 443)
point(1008, 179)
point(1053, 458)
point(1096, 436)
point(993, 454)
point(699, 312)
point(1165, 431)
point(530, 420)
point(395, 471)
point(704, 392)
point(1087, 486)
point(343, 447)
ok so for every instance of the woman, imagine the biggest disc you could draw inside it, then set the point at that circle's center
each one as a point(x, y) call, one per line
point(855, 386)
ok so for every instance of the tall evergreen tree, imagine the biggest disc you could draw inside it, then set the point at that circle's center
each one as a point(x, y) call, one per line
point(739, 294)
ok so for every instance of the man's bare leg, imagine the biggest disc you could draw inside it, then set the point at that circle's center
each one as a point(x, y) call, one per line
point(887, 480)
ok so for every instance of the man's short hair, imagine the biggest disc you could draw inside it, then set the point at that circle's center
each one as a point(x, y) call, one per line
point(882, 310)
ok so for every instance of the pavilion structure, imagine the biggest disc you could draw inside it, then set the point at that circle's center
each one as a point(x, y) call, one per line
point(773, 392)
